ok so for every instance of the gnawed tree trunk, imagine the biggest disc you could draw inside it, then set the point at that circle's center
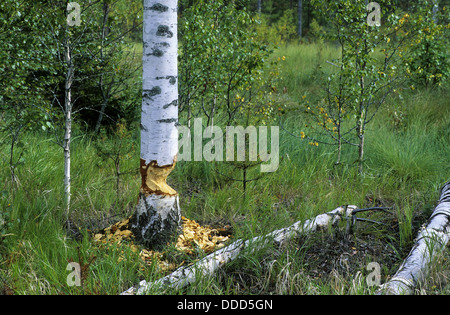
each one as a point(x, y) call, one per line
point(184, 276)
point(430, 241)
point(157, 218)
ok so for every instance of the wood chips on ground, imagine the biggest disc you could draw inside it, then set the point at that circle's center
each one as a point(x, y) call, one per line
point(193, 237)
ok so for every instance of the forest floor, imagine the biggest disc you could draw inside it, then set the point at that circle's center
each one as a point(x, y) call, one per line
point(407, 162)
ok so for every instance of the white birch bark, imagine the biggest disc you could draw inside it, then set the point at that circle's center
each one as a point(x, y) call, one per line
point(184, 276)
point(430, 241)
point(67, 122)
point(157, 216)
point(159, 136)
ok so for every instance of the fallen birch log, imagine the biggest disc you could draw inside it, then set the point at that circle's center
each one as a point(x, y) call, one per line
point(184, 276)
point(430, 241)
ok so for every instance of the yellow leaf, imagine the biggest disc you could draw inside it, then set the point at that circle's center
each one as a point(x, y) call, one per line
point(126, 233)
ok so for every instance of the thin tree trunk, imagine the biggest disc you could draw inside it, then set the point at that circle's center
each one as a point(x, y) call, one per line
point(361, 143)
point(101, 114)
point(362, 115)
point(15, 132)
point(339, 131)
point(188, 104)
point(117, 162)
point(338, 160)
point(300, 14)
point(340, 106)
point(157, 217)
point(101, 84)
point(213, 109)
point(435, 11)
point(68, 123)
point(11, 162)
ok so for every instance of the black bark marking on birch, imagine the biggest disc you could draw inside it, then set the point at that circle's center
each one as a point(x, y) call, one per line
point(157, 7)
point(162, 44)
point(164, 31)
point(147, 94)
point(143, 127)
point(173, 103)
point(158, 231)
point(156, 52)
point(172, 79)
point(169, 120)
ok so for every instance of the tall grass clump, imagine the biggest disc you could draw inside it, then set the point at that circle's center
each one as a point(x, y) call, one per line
point(416, 147)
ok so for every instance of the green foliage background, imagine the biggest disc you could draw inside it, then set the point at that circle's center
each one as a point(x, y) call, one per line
point(256, 70)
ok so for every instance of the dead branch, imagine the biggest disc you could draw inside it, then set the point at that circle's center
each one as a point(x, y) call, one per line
point(186, 275)
point(430, 241)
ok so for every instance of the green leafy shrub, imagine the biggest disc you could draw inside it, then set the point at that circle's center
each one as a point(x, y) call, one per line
point(426, 57)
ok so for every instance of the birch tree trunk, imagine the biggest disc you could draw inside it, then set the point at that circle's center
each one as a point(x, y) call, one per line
point(67, 122)
point(430, 241)
point(157, 217)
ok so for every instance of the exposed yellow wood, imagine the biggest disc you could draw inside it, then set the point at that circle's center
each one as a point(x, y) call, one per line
point(154, 178)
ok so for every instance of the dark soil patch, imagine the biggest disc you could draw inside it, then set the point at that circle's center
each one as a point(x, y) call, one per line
point(347, 254)
point(320, 256)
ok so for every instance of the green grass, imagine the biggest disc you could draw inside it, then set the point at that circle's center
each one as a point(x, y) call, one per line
point(301, 65)
point(406, 164)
